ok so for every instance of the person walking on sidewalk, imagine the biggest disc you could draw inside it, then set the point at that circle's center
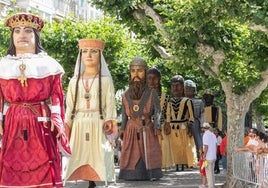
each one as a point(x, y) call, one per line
point(219, 140)
point(210, 151)
point(223, 152)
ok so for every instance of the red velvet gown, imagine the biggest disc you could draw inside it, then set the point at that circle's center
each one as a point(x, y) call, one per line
point(30, 156)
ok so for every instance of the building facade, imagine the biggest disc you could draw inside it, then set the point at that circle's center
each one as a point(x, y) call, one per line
point(53, 9)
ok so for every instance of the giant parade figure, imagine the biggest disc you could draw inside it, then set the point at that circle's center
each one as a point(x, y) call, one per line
point(90, 113)
point(141, 152)
point(154, 82)
point(30, 82)
point(191, 92)
point(212, 113)
point(181, 119)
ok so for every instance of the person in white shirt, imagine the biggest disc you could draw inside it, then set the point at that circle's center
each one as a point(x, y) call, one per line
point(210, 150)
point(219, 139)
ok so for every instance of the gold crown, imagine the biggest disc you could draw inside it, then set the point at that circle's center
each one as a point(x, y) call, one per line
point(26, 20)
point(91, 43)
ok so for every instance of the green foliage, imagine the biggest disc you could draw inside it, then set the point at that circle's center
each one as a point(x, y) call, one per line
point(261, 104)
point(224, 25)
point(4, 32)
point(209, 22)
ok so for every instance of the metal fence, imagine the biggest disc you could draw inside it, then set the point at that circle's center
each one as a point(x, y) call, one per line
point(251, 168)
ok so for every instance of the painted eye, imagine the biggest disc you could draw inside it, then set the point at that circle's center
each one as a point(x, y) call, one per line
point(84, 50)
point(16, 30)
point(28, 30)
point(94, 51)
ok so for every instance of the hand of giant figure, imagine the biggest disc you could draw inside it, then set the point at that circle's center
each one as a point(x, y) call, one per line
point(110, 129)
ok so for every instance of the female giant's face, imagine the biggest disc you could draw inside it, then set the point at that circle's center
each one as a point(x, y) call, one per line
point(24, 40)
point(90, 57)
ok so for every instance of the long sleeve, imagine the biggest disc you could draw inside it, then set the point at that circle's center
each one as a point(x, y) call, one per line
point(124, 115)
point(156, 110)
point(1, 101)
point(202, 113)
point(1, 110)
point(57, 102)
point(109, 106)
point(70, 102)
point(168, 112)
point(57, 114)
point(190, 110)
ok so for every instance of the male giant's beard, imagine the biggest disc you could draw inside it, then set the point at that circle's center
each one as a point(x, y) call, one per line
point(136, 88)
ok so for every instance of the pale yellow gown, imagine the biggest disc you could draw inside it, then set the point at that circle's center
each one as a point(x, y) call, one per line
point(92, 154)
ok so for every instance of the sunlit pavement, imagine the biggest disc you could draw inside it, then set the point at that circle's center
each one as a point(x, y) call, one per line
point(189, 178)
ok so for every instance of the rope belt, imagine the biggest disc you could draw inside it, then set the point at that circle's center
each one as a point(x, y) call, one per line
point(30, 106)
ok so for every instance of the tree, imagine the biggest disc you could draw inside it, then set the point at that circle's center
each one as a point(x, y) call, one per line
point(226, 40)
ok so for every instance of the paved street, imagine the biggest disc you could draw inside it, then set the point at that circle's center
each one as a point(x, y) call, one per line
point(189, 178)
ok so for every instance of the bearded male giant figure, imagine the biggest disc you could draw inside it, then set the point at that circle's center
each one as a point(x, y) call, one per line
point(141, 152)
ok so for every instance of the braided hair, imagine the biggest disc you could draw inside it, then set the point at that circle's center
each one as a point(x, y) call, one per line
point(100, 90)
point(76, 86)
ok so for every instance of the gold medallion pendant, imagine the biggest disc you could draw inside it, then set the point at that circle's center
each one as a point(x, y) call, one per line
point(136, 108)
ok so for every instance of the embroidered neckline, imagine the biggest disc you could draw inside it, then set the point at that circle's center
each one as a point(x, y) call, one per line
point(26, 56)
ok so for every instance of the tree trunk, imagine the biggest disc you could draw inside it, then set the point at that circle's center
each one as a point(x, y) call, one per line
point(236, 112)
